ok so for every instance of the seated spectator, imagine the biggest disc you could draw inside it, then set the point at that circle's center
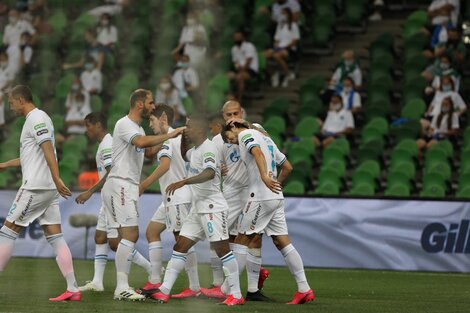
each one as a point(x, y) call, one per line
point(192, 42)
point(348, 67)
point(286, 42)
point(351, 98)
point(442, 12)
point(107, 33)
point(185, 78)
point(446, 90)
point(446, 69)
point(93, 51)
point(15, 27)
point(338, 123)
point(244, 63)
point(444, 125)
point(167, 93)
point(26, 49)
point(279, 5)
point(7, 75)
point(91, 78)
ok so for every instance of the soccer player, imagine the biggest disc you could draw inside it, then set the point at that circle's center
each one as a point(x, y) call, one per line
point(38, 197)
point(96, 130)
point(174, 209)
point(121, 190)
point(208, 217)
point(264, 210)
point(235, 190)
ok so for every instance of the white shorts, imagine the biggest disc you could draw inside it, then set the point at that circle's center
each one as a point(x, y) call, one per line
point(120, 199)
point(267, 215)
point(212, 226)
point(30, 205)
point(103, 225)
point(173, 216)
point(236, 202)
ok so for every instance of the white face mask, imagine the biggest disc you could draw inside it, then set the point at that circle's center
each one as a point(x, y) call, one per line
point(335, 106)
point(165, 86)
point(347, 89)
point(445, 66)
point(12, 20)
point(446, 87)
point(445, 110)
point(348, 62)
point(191, 21)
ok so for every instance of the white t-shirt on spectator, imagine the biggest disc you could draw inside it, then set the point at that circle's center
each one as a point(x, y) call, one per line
point(284, 36)
point(338, 121)
point(355, 75)
point(173, 100)
point(356, 99)
point(444, 128)
point(77, 111)
point(12, 33)
point(6, 76)
point(436, 102)
point(243, 52)
point(276, 11)
point(27, 54)
point(436, 82)
point(14, 59)
point(182, 77)
point(92, 80)
point(188, 35)
point(454, 15)
point(107, 35)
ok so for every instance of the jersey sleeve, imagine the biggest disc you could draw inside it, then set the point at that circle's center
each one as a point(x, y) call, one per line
point(248, 140)
point(165, 151)
point(39, 129)
point(279, 157)
point(126, 132)
point(209, 158)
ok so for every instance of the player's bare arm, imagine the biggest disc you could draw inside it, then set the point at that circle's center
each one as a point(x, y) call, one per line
point(84, 196)
point(49, 155)
point(273, 185)
point(206, 175)
point(185, 146)
point(286, 169)
point(11, 163)
point(150, 141)
point(156, 174)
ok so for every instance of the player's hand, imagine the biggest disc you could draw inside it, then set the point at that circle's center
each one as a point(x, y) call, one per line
point(170, 190)
point(238, 120)
point(164, 126)
point(223, 169)
point(177, 131)
point(141, 189)
point(3, 166)
point(63, 190)
point(83, 197)
point(272, 184)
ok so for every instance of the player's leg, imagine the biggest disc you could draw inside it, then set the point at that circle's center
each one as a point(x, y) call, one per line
point(8, 234)
point(191, 269)
point(154, 229)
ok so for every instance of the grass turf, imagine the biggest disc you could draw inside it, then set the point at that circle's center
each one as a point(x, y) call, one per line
point(26, 285)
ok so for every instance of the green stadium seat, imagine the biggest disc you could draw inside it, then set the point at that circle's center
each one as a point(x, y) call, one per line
point(371, 166)
point(275, 124)
point(435, 156)
point(328, 188)
point(406, 167)
point(307, 127)
point(414, 109)
point(363, 177)
point(337, 166)
point(333, 152)
point(278, 107)
point(432, 179)
point(398, 191)
point(354, 11)
point(442, 168)
point(397, 178)
point(433, 191)
point(294, 188)
point(300, 158)
point(313, 107)
point(304, 144)
point(420, 17)
point(315, 83)
point(362, 189)
point(408, 130)
point(370, 150)
point(464, 193)
point(307, 95)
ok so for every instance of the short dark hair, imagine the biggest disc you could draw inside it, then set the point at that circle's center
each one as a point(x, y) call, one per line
point(200, 120)
point(97, 117)
point(217, 118)
point(162, 107)
point(139, 95)
point(228, 127)
point(22, 91)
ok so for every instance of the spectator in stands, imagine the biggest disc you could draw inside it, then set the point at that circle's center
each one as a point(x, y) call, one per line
point(286, 42)
point(168, 94)
point(446, 69)
point(452, 46)
point(443, 12)
point(338, 123)
point(107, 33)
point(14, 59)
point(244, 63)
point(6, 73)
point(78, 106)
point(348, 67)
point(91, 78)
point(351, 98)
point(185, 78)
point(446, 90)
point(26, 49)
point(2, 115)
point(280, 5)
point(444, 125)
point(192, 42)
point(93, 51)
point(16, 26)
point(36, 15)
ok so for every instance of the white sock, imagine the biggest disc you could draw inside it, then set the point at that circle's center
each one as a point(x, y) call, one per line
point(64, 260)
point(123, 251)
point(296, 267)
point(155, 256)
point(101, 257)
point(141, 261)
point(7, 242)
point(173, 269)
point(230, 265)
point(191, 270)
point(240, 252)
point(217, 272)
point(253, 265)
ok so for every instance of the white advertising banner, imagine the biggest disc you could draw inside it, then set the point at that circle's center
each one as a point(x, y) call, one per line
point(333, 233)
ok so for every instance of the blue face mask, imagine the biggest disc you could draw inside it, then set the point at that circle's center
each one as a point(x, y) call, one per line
point(183, 64)
point(89, 66)
point(446, 88)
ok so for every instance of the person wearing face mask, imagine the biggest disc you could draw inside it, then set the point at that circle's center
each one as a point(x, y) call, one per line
point(351, 98)
point(279, 5)
point(15, 27)
point(348, 67)
point(445, 68)
point(444, 11)
point(107, 33)
point(94, 50)
point(446, 90)
point(168, 94)
point(185, 78)
point(91, 78)
point(192, 42)
point(78, 106)
point(338, 123)
point(244, 63)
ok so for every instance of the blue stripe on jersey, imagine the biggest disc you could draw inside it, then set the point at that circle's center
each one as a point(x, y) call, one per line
point(282, 162)
point(179, 257)
point(165, 155)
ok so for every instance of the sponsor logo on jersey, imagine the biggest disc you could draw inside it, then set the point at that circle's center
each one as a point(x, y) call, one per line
point(123, 197)
point(39, 126)
point(165, 147)
point(454, 238)
point(208, 154)
point(42, 132)
point(207, 160)
point(25, 211)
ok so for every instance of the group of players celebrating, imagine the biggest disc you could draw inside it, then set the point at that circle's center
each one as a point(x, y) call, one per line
point(227, 190)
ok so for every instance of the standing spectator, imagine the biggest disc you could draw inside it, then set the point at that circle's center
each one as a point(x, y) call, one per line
point(351, 98)
point(15, 27)
point(14, 59)
point(244, 63)
point(279, 5)
point(185, 78)
point(36, 15)
point(348, 67)
point(107, 33)
point(286, 41)
point(168, 94)
point(91, 78)
point(78, 106)
point(93, 51)
point(192, 41)
point(26, 49)
point(444, 11)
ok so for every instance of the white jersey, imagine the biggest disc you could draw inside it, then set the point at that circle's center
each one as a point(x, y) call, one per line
point(248, 139)
point(127, 158)
point(104, 155)
point(237, 177)
point(202, 158)
point(37, 129)
point(172, 149)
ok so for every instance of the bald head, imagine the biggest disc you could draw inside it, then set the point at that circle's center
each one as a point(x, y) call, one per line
point(232, 109)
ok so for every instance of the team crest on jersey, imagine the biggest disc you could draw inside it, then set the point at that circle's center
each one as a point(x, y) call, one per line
point(234, 156)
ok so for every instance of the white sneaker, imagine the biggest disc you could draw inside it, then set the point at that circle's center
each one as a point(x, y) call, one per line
point(91, 286)
point(275, 79)
point(128, 295)
point(288, 78)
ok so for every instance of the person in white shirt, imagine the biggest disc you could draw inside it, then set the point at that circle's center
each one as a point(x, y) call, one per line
point(7, 74)
point(338, 123)
point(167, 93)
point(96, 130)
point(107, 34)
point(38, 197)
point(292, 5)
point(446, 68)
point(26, 49)
point(446, 89)
point(444, 11)
point(174, 209)
point(78, 106)
point(351, 98)
point(208, 217)
point(286, 40)
point(120, 192)
point(15, 27)
point(348, 67)
point(185, 78)
point(91, 78)
point(111, 7)
point(192, 41)
point(244, 63)
point(2, 115)
point(264, 210)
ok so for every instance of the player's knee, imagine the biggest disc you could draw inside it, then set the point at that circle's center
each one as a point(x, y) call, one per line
point(256, 241)
point(280, 241)
point(13, 227)
point(113, 244)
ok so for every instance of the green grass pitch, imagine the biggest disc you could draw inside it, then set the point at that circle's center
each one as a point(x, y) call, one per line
point(26, 285)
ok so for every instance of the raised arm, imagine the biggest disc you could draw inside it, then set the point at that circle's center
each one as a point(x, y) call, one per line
point(49, 155)
point(156, 174)
point(150, 141)
point(11, 163)
point(204, 176)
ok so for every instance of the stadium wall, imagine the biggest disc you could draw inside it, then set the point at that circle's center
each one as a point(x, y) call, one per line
point(331, 233)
